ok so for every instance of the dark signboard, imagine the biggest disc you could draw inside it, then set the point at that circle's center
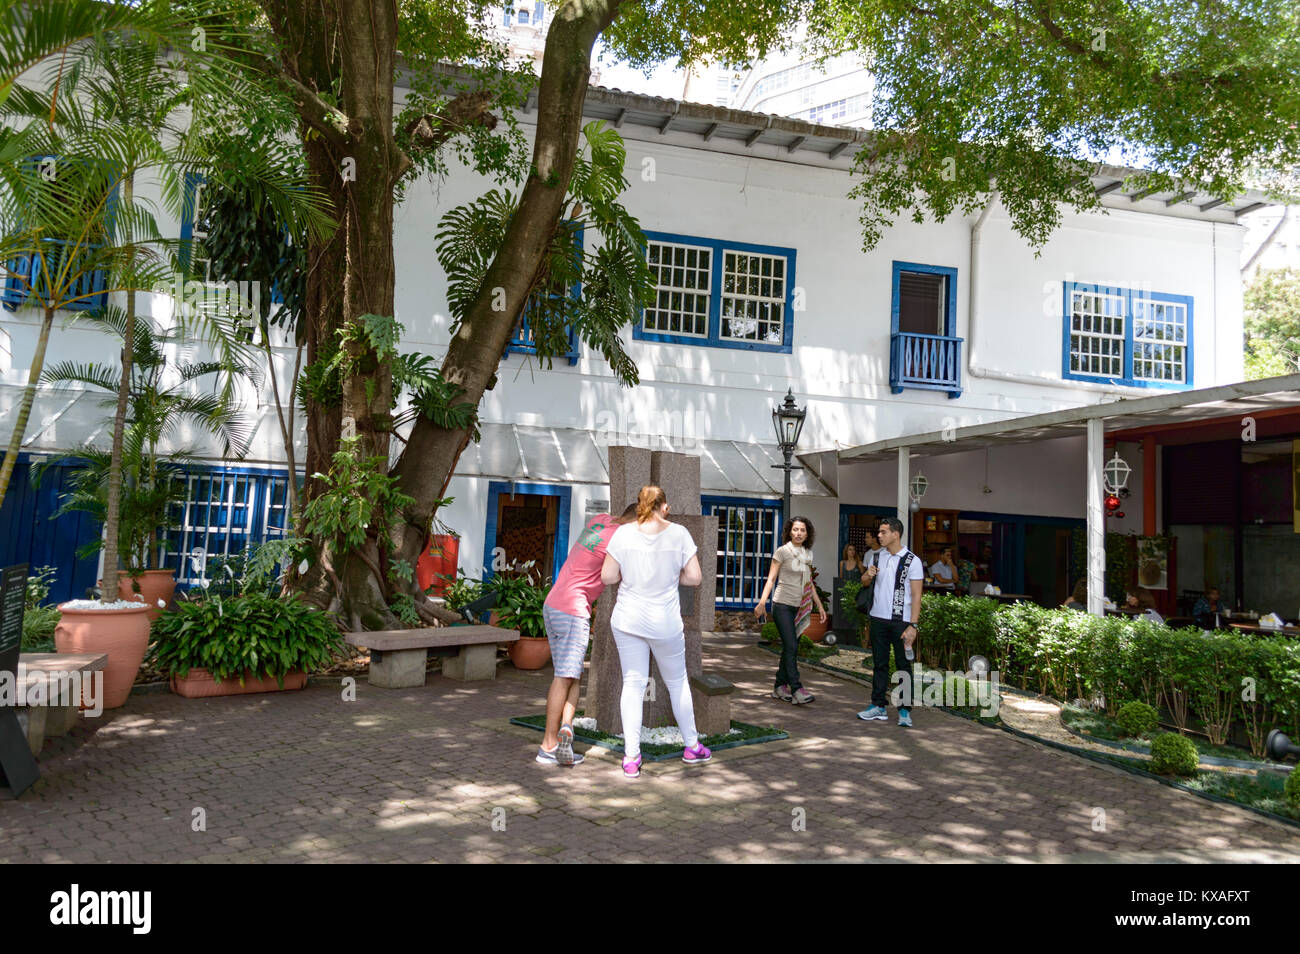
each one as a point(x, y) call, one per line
point(16, 762)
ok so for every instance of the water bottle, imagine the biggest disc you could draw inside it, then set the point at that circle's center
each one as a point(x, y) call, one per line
point(909, 654)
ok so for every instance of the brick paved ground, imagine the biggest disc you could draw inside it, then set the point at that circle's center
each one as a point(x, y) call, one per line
point(415, 775)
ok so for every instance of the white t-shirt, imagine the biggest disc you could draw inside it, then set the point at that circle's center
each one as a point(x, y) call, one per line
point(650, 566)
point(939, 568)
point(882, 600)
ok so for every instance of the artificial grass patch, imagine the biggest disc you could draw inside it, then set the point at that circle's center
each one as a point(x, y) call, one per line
point(1098, 725)
point(748, 735)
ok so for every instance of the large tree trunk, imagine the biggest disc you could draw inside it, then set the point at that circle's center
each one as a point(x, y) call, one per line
point(474, 354)
point(25, 406)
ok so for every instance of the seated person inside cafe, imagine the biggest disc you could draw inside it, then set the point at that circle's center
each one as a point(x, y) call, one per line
point(1207, 608)
point(944, 570)
point(1079, 598)
point(1142, 603)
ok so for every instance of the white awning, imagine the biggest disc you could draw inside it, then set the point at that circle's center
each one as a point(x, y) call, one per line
point(523, 452)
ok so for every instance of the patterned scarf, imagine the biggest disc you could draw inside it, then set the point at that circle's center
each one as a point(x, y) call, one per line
point(803, 563)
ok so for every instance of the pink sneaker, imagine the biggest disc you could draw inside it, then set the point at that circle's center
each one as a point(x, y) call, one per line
point(632, 769)
point(697, 755)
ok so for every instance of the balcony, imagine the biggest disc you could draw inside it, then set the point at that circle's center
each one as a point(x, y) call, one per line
point(929, 362)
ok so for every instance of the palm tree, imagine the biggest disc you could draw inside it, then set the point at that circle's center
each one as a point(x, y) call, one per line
point(136, 112)
point(163, 398)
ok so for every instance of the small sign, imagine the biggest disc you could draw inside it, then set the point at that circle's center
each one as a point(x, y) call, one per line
point(13, 600)
point(17, 766)
point(597, 506)
point(974, 526)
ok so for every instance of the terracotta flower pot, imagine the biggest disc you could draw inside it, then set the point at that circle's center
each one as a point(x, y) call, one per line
point(121, 633)
point(530, 652)
point(199, 684)
point(150, 587)
point(816, 629)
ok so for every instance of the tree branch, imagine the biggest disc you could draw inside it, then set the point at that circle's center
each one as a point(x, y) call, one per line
point(430, 131)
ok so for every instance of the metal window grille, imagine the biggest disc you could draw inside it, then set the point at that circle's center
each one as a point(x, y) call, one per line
point(1097, 333)
point(221, 515)
point(746, 541)
point(753, 297)
point(681, 281)
point(1159, 340)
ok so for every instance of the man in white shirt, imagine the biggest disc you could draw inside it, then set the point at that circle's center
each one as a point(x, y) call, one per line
point(896, 577)
point(943, 569)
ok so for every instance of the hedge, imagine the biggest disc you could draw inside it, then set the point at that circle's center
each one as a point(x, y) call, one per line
point(1217, 679)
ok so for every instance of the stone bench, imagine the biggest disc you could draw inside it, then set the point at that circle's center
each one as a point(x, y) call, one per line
point(711, 696)
point(397, 656)
point(52, 719)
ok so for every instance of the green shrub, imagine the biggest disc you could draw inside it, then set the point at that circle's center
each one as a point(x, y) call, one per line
point(254, 633)
point(769, 633)
point(806, 646)
point(1173, 754)
point(1292, 789)
point(461, 590)
point(39, 621)
point(1137, 718)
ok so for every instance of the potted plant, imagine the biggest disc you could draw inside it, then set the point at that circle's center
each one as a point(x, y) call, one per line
point(519, 602)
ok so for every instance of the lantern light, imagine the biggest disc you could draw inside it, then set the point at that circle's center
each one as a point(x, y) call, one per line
point(1115, 474)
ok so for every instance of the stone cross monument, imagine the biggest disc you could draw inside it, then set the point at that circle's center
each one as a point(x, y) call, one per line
point(630, 469)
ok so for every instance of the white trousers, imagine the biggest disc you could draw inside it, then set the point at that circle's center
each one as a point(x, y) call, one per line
point(634, 658)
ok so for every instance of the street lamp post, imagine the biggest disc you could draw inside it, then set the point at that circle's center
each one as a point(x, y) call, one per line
point(788, 421)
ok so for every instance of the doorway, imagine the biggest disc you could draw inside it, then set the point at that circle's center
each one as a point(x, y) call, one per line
point(526, 522)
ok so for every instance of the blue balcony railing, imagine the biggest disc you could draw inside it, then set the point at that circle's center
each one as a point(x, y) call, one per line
point(24, 273)
point(930, 362)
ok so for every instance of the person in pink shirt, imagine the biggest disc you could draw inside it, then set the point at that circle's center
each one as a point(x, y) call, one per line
point(567, 616)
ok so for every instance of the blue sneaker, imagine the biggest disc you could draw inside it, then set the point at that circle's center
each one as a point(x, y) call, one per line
point(905, 718)
point(875, 712)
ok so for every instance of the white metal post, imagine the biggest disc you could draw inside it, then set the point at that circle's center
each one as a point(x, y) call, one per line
point(904, 476)
point(1096, 517)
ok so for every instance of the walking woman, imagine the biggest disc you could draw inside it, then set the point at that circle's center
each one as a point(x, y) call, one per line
point(791, 572)
point(649, 559)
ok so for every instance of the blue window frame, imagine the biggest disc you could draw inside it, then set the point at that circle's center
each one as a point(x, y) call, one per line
point(719, 294)
point(748, 535)
point(521, 342)
point(224, 510)
point(1127, 337)
point(23, 272)
point(925, 352)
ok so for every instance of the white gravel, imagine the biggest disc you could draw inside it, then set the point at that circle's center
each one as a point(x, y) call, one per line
point(665, 735)
point(97, 605)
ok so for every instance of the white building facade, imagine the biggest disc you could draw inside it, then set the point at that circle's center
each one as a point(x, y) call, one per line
point(763, 287)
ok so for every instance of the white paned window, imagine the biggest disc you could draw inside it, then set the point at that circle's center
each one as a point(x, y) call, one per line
point(1097, 333)
point(681, 282)
point(753, 297)
point(747, 538)
point(1159, 340)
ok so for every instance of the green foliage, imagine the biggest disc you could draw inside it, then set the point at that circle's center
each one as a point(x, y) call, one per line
point(770, 633)
point(251, 634)
point(520, 596)
point(432, 395)
point(1292, 789)
point(1137, 718)
point(849, 605)
point(39, 621)
point(1272, 319)
point(461, 590)
point(613, 274)
point(356, 491)
point(161, 400)
point(1173, 754)
point(1211, 681)
point(258, 569)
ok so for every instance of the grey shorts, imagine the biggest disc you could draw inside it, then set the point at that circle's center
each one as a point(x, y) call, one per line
point(568, 636)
